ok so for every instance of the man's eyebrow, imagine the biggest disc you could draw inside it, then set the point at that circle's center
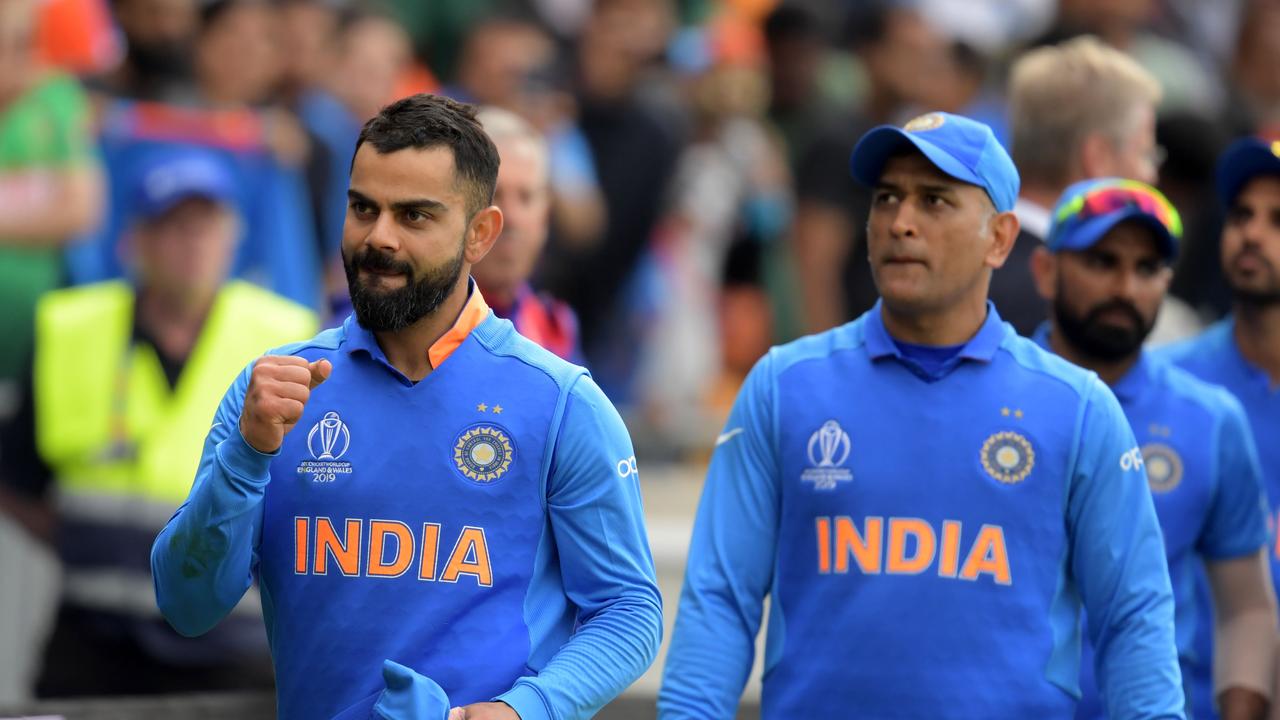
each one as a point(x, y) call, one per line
point(422, 204)
point(938, 188)
point(926, 187)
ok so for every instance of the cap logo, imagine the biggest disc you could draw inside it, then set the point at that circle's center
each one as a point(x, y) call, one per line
point(925, 122)
point(1275, 148)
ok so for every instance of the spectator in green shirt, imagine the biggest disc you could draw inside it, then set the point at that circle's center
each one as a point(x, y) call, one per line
point(51, 188)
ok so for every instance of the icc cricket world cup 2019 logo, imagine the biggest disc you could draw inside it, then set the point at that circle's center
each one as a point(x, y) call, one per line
point(333, 435)
point(828, 450)
point(328, 441)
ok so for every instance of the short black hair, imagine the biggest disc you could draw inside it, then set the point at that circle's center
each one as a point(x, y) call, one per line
point(426, 121)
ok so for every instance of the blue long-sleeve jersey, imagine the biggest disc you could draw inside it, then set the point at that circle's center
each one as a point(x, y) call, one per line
point(1207, 487)
point(482, 527)
point(1214, 357)
point(927, 540)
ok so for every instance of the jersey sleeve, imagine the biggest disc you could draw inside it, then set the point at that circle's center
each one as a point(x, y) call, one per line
point(730, 566)
point(204, 559)
point(1237, 522)
point(1118, 564)
point(597, 523)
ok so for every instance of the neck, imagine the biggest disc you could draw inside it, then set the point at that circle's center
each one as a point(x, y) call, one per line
point(955, 325)
point(406, 349)
point(1109, 371)
point(173, 320)
point(1257, 334)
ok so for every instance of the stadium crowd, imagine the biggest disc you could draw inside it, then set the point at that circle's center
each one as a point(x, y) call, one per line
point(676, 180)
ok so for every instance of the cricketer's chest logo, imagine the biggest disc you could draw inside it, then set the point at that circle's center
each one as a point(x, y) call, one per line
point(828, 450)
point(1008, 457)
point(483, 453)
point(328, 440)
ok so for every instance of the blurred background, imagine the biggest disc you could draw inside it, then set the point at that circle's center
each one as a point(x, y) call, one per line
point(698, 211)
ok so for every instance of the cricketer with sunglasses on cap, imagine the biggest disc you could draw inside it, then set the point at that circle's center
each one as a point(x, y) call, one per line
point(1242, 351)
point(1104, 270)
point(928, 499)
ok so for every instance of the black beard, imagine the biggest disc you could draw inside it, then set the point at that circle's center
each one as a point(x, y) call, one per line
point(390, 310)
point(1100, 341)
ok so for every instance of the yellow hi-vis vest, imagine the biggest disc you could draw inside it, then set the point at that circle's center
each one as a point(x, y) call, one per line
point(124, 447)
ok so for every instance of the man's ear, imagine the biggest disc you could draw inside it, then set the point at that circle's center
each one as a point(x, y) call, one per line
point(1004, 233)
point(482, 233)
point(1044, 271)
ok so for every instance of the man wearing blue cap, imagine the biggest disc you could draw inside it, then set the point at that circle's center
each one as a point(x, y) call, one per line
point(1104, 270)
point(1242, 351)
point(928, 499)
point(125, 378)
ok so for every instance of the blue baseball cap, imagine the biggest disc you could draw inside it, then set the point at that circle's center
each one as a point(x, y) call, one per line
point(1244, 160)
point(1088, 210)
point(176, 174)
point(965, 149)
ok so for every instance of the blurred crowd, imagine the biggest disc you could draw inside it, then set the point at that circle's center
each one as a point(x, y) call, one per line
point(690, 202)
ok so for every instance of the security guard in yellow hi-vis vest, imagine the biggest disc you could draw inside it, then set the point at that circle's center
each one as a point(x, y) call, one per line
point(124, 385)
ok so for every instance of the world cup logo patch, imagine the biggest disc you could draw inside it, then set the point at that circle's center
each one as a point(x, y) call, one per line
point(828, 449)
point(328, 440)
point(483, 453)
point(1164, 467)
point(1008, 457)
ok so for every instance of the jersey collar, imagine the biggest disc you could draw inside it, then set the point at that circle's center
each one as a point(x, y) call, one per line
point(981, 347)
point(473, 313)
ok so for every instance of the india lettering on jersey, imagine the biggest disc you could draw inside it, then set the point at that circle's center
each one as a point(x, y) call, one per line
point(388, 549)
point(912, 548)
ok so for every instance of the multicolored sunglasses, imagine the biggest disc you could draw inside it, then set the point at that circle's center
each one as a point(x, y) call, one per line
point(1108, 196)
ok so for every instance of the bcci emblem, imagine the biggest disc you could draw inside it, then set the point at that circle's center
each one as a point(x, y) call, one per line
point(327, 442)
point(1164, 467)
point(828, 449)
point(925, 122)
point(1008, 457)
point(483, 453)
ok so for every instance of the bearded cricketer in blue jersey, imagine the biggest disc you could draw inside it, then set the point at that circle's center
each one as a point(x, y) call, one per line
point(1105, 269)
point(1242, 351)
point(439, 512)
point(928, 499)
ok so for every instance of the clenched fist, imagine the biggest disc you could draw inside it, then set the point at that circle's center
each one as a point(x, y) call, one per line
point(278, 391)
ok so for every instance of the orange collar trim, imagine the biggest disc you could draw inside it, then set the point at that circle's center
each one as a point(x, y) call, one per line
point(473, 313)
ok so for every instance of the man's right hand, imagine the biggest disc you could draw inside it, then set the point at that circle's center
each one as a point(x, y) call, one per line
point(279, 388)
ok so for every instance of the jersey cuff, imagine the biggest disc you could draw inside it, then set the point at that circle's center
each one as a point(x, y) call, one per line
point(526, 701)
point(243, 462)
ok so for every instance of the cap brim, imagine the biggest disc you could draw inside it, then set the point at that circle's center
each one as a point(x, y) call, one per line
point(1243, 161)
point(1092, 230)
point(154, 210)
point(867, 162)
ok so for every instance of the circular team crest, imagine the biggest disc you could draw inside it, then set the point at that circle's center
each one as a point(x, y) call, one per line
point(1164, 467)
point(483, 453)
point(1008, 457)
point(924, 122)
